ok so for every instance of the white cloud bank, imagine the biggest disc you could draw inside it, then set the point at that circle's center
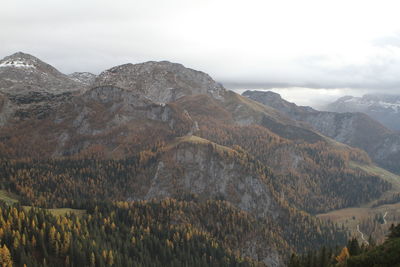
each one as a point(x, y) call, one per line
point(316, 98)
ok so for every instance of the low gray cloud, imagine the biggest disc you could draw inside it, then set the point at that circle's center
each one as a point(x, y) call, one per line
point(254, 44)
point(387, 41)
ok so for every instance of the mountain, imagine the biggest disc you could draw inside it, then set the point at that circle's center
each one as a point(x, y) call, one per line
point(354, 129)
point(127, 95)
point(120, 122)
point(381, 107)
point(31, 88)
point(157, 130)
point(21, 73)
point(161, 82)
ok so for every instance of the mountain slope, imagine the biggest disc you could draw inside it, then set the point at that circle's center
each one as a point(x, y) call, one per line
point(153, 233)
point(354, 129)
point(190, 169)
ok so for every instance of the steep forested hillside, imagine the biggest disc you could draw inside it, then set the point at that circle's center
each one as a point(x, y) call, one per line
point(314, 176)
point(52, 183)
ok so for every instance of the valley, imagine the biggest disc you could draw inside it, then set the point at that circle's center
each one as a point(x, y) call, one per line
point(371, 221)
point(375, 217)
point(369, 215)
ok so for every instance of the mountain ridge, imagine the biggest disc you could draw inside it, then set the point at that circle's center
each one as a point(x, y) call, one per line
point(384, 108)
point(354, 129)
point(168, 81)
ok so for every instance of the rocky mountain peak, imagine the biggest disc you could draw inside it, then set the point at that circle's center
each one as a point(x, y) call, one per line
point(22, 73)
point(19, 60)
point(161, 81)
point(21, 55)
point(26, 62)
point(268, 95)
point(275, 100)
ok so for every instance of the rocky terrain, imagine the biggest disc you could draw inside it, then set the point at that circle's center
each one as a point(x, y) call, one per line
point(31, 88)
point(355, 129)
point(161, 82)
point(22, 73)
point(381, 107)
point(85, 78)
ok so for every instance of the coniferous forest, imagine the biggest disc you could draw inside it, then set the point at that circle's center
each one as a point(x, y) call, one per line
point(122, 234)
point(354, 254)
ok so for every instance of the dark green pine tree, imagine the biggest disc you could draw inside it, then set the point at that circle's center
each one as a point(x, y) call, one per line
point(323, 257)
point(394, 231)
point(371, 242)
point(295, 261)
point(354, 247)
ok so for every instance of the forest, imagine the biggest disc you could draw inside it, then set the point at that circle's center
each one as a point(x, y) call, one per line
point(354, 254)
point(120, 234)
point(84, 182)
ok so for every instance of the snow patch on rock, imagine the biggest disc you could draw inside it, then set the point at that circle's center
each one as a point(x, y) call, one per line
point(18, 63)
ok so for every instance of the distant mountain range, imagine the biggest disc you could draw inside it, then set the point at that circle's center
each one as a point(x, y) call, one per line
point(172, 132)
point(381, 107)
point(352, 128)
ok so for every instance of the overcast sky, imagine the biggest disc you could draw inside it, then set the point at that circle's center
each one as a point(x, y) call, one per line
point(322, 44)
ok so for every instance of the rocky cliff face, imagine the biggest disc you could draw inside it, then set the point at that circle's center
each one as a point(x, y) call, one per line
point(354, 129)
point(383, 108)
point(207, 172)
point(29, 105)
point(112, 116)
